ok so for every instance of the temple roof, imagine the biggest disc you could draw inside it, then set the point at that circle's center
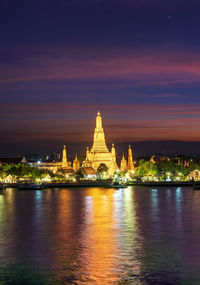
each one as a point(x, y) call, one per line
point(87, 171)
point(99, 144)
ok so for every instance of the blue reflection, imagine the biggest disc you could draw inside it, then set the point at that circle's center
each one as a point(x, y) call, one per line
point(38, 194)
point(38, 206)
point(178, 203)
point(154, 202)
point(178, 198)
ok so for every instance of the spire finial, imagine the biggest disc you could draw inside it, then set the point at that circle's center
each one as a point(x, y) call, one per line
point(64, 146)
point(112, 144)
point(98, 113)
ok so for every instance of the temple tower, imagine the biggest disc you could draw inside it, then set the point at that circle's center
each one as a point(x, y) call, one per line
point(76, 164)
point(130, 159)
point(99, 144)
point(123, 164)
point(64, 158)
point(113, 153)
point(99, 152)
point(86, 162)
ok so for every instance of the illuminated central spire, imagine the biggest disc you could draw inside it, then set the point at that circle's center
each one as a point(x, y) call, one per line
point(98, 121)
point(99, 144)
point(99, 152)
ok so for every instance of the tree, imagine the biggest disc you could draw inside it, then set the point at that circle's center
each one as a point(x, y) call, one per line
point(172, 169)
point(23, 171)
point(147, 168)
point(168, 166)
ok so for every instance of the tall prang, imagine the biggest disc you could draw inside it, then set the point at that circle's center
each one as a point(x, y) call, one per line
point(99, 152)
point(64, 158)
point(123, 166)
point(114, 157)
point(130, 159)
point(99, 144)
point(76, 164)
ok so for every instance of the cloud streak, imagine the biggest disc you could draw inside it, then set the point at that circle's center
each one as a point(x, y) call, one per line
point(147, 67)
point(75, 123)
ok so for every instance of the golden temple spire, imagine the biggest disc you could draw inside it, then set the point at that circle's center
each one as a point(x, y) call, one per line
point(114, 161)
point(130, 159)
point(113, 151)
point(64, 157)
point(99, 152)
point(123, 164)
point(99, 144)
point(76, 164)
point(98, 121)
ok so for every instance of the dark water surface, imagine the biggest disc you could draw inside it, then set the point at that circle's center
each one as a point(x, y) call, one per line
point(100, 236)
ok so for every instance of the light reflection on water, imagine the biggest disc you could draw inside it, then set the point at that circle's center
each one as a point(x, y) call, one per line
point(100, 236)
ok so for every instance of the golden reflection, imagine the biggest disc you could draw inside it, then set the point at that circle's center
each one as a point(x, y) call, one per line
point(96, 236)
point(2, 209)
point(129, 209)
point(9, 199)
point(131, 239)
point(99, 254)
point(2, 214)
point(7, 223)
point(63, 232)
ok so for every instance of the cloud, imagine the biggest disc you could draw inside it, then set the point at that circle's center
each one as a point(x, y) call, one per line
point(145, 67)
point(75, 123)
point(76, 111)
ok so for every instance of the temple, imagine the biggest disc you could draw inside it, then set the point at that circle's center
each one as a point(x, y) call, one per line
point(123, 166)
point(130, 160)
point(64, 158)
point(76, 164)
point(99, 152)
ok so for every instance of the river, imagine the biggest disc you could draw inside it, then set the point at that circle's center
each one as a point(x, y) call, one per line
point(100, 236)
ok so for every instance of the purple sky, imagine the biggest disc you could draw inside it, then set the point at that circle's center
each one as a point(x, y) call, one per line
point(138, 62)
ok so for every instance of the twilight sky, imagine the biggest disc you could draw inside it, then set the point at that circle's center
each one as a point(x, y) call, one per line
point(137, 61)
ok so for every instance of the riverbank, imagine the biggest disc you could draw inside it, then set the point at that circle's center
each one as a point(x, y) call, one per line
point(59, 185)
point(106, 184)
point(164, 183)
